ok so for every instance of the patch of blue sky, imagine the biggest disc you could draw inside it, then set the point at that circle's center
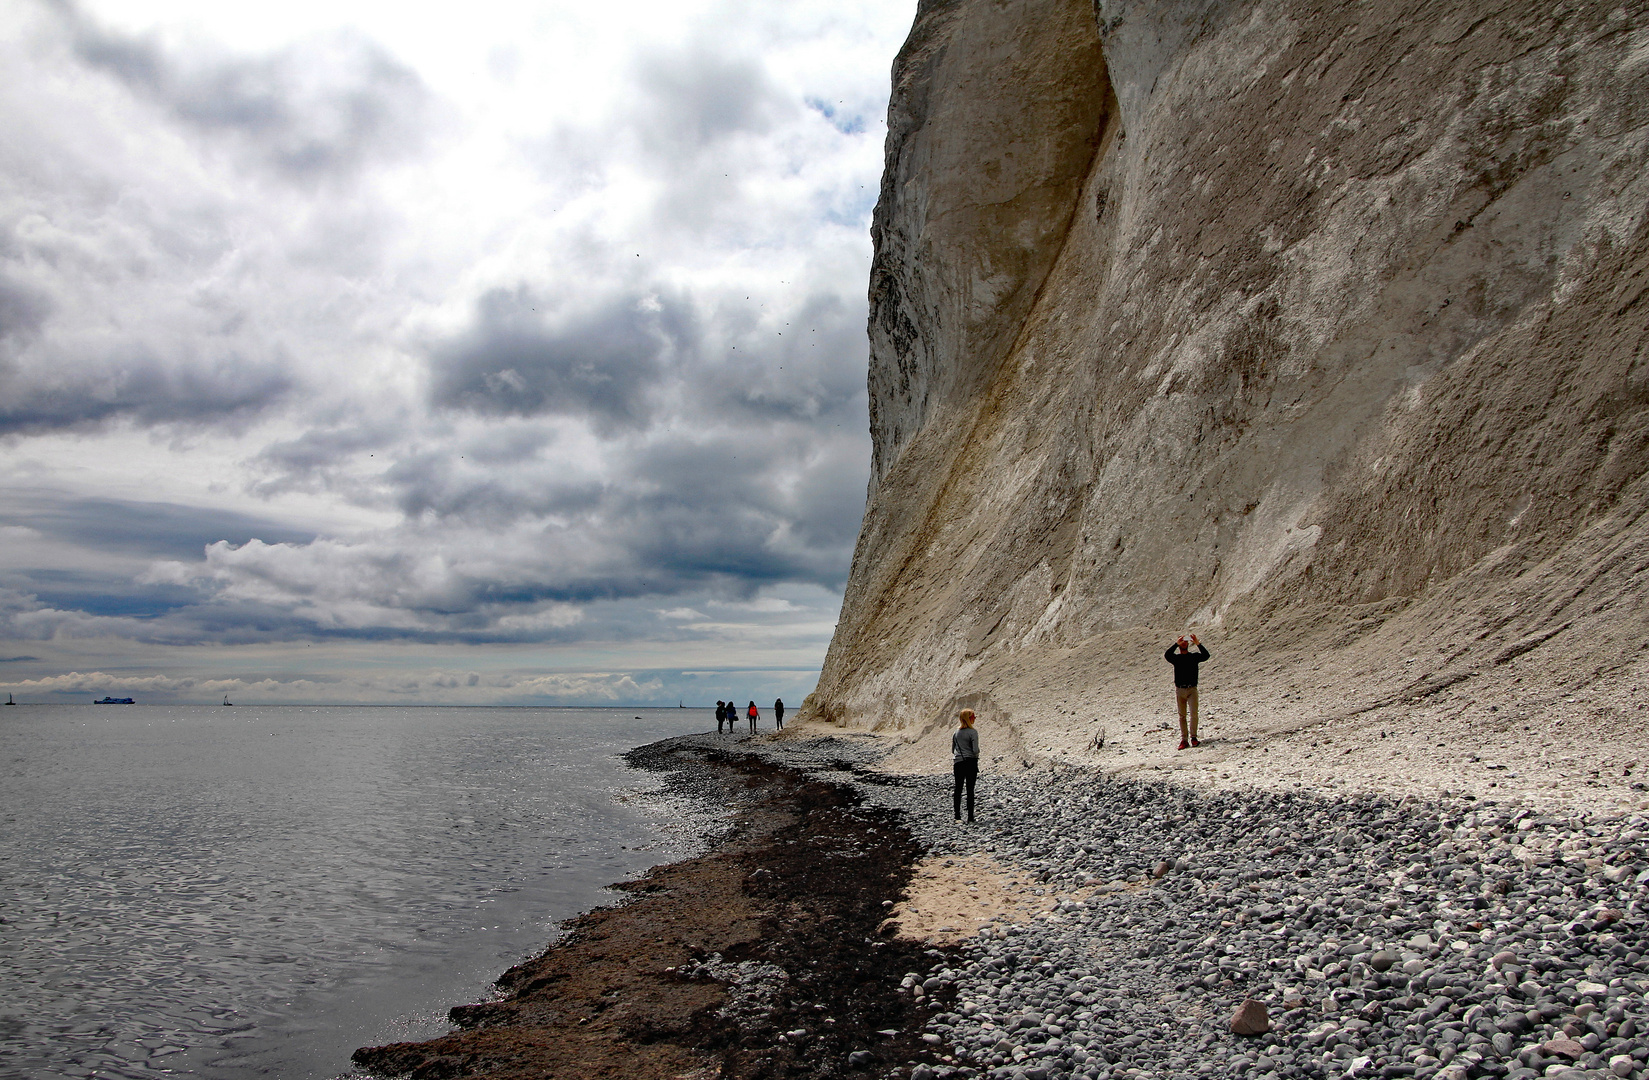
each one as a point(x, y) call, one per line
point(846, 121)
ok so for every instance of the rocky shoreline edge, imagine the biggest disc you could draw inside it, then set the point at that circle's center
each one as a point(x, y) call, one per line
point(757, 958)
point(1360, 936)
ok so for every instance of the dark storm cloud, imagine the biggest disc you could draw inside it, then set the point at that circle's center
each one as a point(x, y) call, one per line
point(319, 111)
point(478, 477)
point(321, 448)
point(483, 556)
point(318, 459)
point(104, 536)
point(519, 358)
point(142, 389)
point(702, 124)
point(738, 513)
point(696, 99)
point(106, 595)
point(806, 367)
point(734, 472)
point(130, 527)
point(89, 605)
point(693, 101)
point(722, 514)
point(23, 310)
point(703, 515)
point(828, 505)
point(433, 483)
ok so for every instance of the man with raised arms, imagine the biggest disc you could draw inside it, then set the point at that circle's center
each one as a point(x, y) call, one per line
point(1185, 683)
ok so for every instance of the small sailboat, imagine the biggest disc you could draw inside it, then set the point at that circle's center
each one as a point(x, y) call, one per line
point(226, 700)
point(9, 701)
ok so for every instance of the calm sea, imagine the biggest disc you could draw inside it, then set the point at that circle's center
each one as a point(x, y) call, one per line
point(239, 892)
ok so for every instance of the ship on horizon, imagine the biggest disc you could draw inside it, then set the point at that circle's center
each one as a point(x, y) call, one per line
point(114, 701)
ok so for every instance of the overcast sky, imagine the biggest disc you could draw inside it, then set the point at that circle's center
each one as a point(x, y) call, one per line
point(512, 357)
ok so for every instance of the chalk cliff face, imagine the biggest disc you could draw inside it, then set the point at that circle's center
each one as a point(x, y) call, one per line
point(1317, 328)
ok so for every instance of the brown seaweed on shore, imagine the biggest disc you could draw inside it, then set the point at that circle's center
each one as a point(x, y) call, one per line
point(792, 896)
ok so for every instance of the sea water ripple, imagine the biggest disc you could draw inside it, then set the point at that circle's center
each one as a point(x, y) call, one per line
point(228, 893)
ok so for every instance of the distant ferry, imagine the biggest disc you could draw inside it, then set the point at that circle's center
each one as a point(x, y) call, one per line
point(114, 701)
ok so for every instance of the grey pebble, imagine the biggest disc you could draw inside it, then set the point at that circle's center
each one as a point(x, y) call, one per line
point(1407, 937)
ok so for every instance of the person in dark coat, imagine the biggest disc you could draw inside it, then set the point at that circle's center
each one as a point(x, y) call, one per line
point(778, 711)
point(1185, 684)
point(721, 715)
point(964, 753)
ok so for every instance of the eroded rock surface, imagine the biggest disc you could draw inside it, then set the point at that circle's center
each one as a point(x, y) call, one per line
point(1317, 327)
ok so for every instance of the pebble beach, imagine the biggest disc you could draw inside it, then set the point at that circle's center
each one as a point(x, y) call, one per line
point(1358, 936)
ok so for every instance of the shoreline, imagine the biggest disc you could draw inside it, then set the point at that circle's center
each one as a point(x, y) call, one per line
point(754, 959)
point(1103, 927)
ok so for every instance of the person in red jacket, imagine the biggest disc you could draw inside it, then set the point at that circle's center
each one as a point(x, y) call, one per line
point(1185, 683)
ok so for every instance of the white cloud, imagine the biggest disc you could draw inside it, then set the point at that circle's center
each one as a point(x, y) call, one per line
point(548, 617)
point(681, 613)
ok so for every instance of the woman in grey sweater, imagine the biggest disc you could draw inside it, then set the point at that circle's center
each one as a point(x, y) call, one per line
point(964, 754)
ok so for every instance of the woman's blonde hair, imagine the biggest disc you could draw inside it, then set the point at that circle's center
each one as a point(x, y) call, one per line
point(966, 716)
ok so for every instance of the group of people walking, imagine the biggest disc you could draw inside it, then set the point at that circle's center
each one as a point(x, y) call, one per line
point(727, 712)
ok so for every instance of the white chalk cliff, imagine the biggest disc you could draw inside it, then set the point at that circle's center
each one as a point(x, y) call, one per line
point(1317, 328)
